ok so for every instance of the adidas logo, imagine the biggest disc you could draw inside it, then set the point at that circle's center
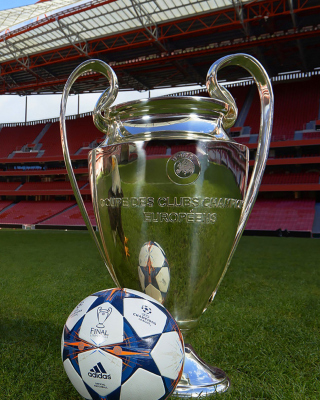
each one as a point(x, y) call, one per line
point(98, 372)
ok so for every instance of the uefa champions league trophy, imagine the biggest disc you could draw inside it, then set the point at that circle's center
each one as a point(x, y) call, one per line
point(170, 196)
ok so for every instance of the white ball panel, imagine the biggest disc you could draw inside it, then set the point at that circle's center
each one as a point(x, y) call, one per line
point(62, 343)
point(168, 354)
point(144, 255)
point(135, 388)
point(101, 371)
point(76, 380)
point(144, 295)
point(141, 278)
point(154, 293)
point(79, 311)
point(102, 325)
point(145, 318)
point(159, 247)
point(163, 279)
point(156, 256)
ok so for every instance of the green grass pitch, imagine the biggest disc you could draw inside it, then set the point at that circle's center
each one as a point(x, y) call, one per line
point(263, 327)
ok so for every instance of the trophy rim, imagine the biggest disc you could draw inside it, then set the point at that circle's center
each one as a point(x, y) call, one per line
point(188, 103)
point(177, 135)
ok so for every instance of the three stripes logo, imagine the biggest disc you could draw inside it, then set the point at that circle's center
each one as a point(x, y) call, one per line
point(99, 372)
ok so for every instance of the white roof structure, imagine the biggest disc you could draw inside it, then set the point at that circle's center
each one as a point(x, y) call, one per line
point(54, 24)
point(150, 43)
point(12, 17)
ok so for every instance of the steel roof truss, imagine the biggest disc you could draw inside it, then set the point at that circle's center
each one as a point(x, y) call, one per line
point(18, 54)
point(237, 4)
point(74, 38)
point(146, 19)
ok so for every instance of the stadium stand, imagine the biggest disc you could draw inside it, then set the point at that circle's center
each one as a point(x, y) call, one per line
point(239, 94)
point(50, 142)
point(71, 217)
point(242, 139)
point(187, 147)
point(29, 212)
point(288, 178)
point(8, 186)
point(46, 186)
point(81, 132)
point(156, 150)
point(296, 104)
point(24, 154)
point(13, 138)
point(290, 215)
point(311, 135)
point(36, 174)
point(4, 204)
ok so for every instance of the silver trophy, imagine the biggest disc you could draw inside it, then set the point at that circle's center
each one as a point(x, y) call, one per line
point(170, 196)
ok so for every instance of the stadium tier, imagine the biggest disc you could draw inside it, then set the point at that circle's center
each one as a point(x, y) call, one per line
point(34, 188)
point(9, 186)
point(296, 104)
point(311, 135)
point(242, 139)
point(17, 138)
point(81, 133)
point(287, 178)
point(42, 141)
point(4, 204)
point(156, 150)
point(30, 212)
point(71, 217)
point(284, 215)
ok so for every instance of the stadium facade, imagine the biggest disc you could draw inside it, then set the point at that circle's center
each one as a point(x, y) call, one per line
point(157, 44)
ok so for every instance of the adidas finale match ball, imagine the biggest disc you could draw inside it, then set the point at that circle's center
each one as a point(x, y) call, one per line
point(120, 344)
point(154, 272)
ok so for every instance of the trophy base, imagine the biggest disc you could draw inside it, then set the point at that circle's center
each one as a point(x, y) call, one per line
point(200, 379)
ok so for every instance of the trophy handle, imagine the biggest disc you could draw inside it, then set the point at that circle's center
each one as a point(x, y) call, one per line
point(105, 100)
point(266, 101)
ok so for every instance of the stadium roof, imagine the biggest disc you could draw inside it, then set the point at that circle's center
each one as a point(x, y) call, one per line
point(12, 17)
point(152, 43)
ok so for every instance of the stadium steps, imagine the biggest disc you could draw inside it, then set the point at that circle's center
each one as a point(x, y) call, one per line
point(84, 148)
point(316, 222)
point(246, 107)
point(42, 133)
point(55, 215)
point(40, 153)
point(7, 207)
point(298, 135)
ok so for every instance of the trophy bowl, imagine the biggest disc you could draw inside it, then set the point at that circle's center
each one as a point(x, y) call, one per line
point(170, 196)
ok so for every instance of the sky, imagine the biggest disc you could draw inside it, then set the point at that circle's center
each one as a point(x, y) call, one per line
point(6, 4)
point(13, 108)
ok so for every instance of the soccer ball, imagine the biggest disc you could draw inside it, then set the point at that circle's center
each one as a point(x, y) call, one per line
point(120, 344)
point(154, 271)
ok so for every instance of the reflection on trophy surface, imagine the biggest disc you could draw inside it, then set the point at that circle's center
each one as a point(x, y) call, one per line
point(194, 222)
point(170, 194)
point(115, 195)
point(154, 271)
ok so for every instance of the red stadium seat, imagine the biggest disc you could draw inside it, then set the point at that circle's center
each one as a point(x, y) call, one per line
point(12, 138)
point(80, 132)
point(296, 103)
point(291, 215)
point(31, 212)
point(71, 217)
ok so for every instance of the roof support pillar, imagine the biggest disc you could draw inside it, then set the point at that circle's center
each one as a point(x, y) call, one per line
point(294, 23)
point(237, 4)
